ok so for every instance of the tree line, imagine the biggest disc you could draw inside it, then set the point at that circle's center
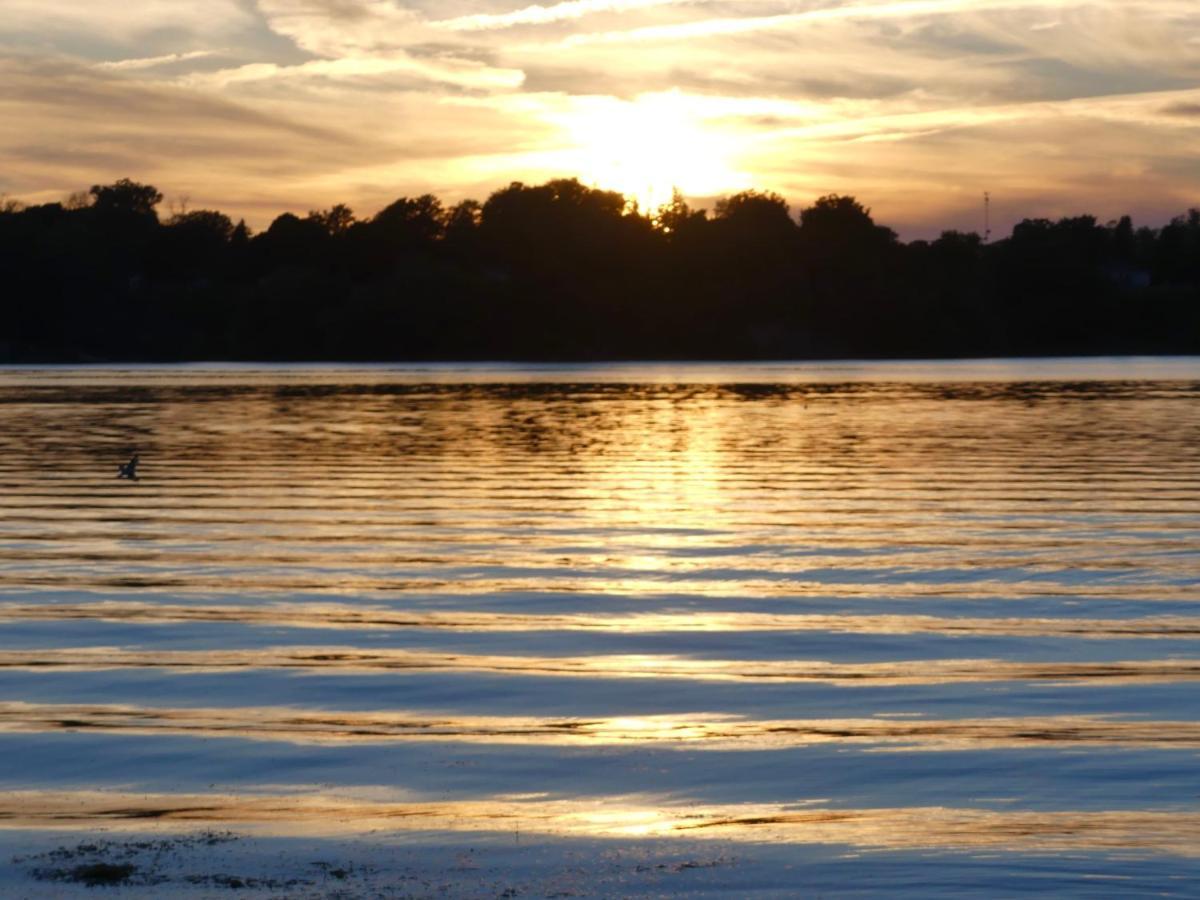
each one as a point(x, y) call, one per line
point(562, 271)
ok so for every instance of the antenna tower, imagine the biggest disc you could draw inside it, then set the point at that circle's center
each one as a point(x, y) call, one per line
point(987, 216)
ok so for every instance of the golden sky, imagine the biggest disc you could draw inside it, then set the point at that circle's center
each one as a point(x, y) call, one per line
point(914, 106)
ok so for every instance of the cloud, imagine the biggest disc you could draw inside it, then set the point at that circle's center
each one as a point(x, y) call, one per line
point(907, 9)
point(126, 20)
point(153, 62)
point(463, 73)
point(63, 126)
point(76, 95)
point(338, 28)
point(542, 15)
point(842, 123)
point(358, 40)
point(1184, 110)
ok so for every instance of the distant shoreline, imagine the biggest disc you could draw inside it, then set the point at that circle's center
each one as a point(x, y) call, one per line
point(781, 376)
point(561, 272)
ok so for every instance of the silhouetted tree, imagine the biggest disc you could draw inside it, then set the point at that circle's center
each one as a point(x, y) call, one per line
point(843, 226)
point(764, 212)
point(460, 223)
point(191, 245)
point(411, 222)
point(240, 236)
point(557, 225)
point(336, 220)
point(561, 270)
point(677, 219)
point(204, 224)
point(126, 197)
point(851, 282)
point(755, 228)
point(1177, 260)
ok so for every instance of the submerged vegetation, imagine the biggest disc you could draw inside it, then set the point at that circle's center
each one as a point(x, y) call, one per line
point(563, 271)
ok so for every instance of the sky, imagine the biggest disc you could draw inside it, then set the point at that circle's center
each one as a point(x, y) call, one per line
point(915, 107)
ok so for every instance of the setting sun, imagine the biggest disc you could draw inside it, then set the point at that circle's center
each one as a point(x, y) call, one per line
point(649, 146)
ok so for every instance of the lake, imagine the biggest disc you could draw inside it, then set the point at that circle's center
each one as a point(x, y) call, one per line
point(929, 628)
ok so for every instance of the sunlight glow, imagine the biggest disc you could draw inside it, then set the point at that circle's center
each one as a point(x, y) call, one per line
point(646, 147)
point(914, 106)
point(895, 828)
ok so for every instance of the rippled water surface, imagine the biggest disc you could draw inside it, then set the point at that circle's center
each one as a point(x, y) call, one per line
point(931, 623)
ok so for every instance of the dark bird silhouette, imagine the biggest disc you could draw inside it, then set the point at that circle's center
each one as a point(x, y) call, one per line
point(129, 469)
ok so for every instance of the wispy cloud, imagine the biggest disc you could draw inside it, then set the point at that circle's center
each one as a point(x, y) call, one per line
point(153, 62)
point(1129, 109)
point(338, 28)
point(127, 20)
point(907, 9)
point(543, 15)
point(463, 73)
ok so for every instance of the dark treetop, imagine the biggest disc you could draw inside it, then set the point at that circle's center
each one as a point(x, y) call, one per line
point(562, 271)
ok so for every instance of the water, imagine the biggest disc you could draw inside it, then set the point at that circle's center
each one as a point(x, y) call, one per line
point(804, 624)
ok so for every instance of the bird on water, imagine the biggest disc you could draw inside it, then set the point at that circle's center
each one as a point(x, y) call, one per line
point(129, 469)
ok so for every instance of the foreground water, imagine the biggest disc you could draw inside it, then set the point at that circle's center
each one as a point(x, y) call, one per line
point(610, 630)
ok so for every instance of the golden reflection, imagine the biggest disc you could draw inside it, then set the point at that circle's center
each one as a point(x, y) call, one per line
point(544, 501)
point(359, 617)
point(357, 660)
point(692, 731)
point(912, 828)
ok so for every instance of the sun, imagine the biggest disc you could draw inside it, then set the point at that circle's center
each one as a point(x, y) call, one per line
point(648, 146)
